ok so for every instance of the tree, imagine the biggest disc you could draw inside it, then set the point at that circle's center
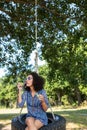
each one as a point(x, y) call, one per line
point(62, 33)
point(17, 21)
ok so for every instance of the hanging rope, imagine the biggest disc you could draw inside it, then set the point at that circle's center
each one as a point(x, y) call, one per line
point(36, 52)
point(36, 21)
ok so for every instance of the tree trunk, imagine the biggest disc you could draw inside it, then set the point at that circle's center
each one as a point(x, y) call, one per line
point(78, 95)
point(59, 99)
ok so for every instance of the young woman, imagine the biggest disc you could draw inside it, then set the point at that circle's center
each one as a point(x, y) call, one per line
point(36, 100)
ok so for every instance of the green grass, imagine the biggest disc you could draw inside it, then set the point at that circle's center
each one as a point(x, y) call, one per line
point(5, 117)
point(78, 117)
point(5, 120)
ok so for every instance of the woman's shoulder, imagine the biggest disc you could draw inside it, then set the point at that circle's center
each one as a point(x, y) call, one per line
point(25, 92)
point(41, 91)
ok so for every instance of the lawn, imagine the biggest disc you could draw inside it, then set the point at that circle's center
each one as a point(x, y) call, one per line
point(76, 119)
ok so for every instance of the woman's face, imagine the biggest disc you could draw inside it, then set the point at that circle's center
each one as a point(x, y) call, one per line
point(29, 81)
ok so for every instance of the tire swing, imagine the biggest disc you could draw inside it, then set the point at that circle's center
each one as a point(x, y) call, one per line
point(55, 122)
point(59, 123)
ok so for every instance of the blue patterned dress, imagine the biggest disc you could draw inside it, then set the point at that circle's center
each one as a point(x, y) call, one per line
point(34, 106)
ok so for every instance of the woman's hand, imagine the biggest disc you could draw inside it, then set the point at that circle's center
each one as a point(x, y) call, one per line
point(44, 105)
point(41, 98)
point(19, 86)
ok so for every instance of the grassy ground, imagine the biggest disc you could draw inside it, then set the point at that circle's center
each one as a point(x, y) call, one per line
point(76, 119)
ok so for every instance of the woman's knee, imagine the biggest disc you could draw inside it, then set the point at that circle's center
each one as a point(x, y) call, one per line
point(26, 128)
point(29, 121)
point(38, 124)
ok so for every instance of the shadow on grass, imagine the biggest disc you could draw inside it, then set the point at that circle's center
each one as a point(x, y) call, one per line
point(76, 116)
point(1, 126)
point(4, 118)
point(7, 116)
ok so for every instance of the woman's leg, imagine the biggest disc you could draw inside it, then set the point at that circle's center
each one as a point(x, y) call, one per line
point(26, 128)
point(38, 124)
point(33, 124)
point(30, 122)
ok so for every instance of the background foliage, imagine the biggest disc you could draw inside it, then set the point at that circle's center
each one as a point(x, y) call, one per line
point(62, 35)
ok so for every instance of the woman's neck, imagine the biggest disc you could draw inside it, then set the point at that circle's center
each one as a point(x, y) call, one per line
point(32, 89)
point(33, 92)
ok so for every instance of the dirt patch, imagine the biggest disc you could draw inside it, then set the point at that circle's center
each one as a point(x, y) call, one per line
point(5, 125)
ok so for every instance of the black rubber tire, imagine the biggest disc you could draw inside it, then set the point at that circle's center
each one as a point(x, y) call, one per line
point(18, 123)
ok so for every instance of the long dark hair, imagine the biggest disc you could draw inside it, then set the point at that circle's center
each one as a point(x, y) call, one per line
point(38, 82)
